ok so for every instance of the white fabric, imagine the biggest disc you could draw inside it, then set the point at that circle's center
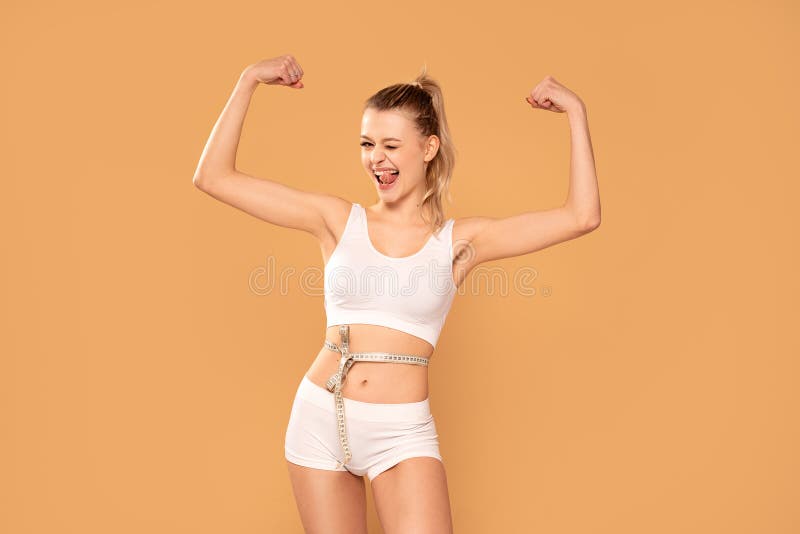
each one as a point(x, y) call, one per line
point(412, 293)
point(382, 435)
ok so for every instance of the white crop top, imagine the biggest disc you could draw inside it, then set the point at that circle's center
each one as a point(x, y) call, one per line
point(411, 293)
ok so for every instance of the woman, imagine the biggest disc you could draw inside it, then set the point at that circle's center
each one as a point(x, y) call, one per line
point(362, 408)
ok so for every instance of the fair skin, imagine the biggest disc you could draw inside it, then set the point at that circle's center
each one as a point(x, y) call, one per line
point(390, 139)
point(413, 495)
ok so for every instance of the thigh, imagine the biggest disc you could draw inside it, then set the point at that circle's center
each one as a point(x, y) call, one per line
point(412, 496)
point(330, 499)
point(329, 502)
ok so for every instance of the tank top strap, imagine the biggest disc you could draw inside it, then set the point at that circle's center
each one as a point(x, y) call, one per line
point(351, 227)
point(359, 213)
point(447, 234)
point(359, 223)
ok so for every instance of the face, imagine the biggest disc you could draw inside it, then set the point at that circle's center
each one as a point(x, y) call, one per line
point(390, 140)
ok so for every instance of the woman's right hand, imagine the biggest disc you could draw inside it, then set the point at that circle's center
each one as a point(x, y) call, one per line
point(281, 70)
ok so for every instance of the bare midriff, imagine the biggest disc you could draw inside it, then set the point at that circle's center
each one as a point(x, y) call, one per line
point(382, 382)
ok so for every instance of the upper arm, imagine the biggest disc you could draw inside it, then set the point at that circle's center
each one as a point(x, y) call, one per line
point(493, 238)
point(274, 202)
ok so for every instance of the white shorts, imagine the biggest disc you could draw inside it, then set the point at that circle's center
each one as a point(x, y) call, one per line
point(380, 435)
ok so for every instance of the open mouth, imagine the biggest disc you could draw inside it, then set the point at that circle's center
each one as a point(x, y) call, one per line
point(387, 177)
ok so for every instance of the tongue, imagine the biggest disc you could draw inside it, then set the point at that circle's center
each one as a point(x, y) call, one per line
point(388, 178)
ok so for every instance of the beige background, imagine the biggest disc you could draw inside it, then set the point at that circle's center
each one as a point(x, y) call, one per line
point(149, 364)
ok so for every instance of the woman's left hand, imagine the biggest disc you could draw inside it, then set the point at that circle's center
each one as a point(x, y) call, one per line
point(549, 94)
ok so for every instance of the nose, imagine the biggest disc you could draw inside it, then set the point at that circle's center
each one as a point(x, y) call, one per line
point(376, 156)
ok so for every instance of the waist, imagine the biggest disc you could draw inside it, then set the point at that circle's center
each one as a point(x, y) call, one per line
point(376, 355)
point(378, 338)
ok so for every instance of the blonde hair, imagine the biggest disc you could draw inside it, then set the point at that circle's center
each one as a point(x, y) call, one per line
point(423, 102)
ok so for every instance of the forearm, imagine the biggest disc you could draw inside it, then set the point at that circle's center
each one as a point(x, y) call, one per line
point(583, 198)
point(219, 154)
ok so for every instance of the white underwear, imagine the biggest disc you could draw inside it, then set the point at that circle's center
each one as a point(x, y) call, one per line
point(381, 435)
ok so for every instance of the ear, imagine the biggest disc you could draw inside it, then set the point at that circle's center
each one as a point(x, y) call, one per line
point(431, 148)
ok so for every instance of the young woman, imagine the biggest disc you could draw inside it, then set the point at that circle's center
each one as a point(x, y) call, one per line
point(391, 272)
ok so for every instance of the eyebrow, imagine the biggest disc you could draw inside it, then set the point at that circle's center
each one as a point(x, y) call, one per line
point(384, 139)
